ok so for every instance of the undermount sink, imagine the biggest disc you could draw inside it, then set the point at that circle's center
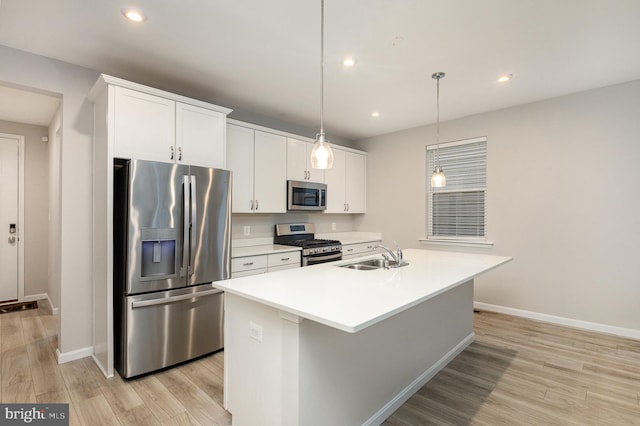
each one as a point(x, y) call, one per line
point(361, 267)
point(371, 264)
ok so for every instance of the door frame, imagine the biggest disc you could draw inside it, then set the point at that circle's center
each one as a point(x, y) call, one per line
point(20, 139)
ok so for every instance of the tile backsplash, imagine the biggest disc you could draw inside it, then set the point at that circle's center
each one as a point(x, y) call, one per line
point(262, 225)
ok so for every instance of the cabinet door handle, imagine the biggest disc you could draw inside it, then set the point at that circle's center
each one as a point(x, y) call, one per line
point(172, 152)
point(247, 264)
point(349, 249)
point(179, 153)
point(251, 204)
point(347, 206)
point(284, 259)
point(256, 205)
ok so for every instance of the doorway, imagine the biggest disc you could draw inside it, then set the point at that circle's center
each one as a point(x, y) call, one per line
point(11, 218)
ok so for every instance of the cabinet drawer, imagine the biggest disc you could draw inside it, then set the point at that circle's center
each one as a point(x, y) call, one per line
point(360, 249)
point(283, 267)
point(288, 258)
point(248, 263)
point(247, 273)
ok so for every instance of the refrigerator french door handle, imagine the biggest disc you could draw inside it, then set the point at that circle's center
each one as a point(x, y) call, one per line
point(185, 225)
point(194, 224)
point(172, 299)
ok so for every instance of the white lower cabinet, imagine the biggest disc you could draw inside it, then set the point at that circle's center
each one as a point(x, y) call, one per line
point(350, 251)
point(261, 264)
point(248, 265)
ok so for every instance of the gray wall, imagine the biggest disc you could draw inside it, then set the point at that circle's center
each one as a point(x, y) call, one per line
point(36, 205)
point(74, 246)
point(562, 200)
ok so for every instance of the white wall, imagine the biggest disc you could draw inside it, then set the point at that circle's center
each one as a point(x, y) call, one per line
point(562, 200)
point(73, 83)
point(36, 174)
point(55, 132)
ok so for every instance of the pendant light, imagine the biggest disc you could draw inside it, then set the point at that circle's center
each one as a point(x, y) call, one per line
point(321, 154)
point(438, 180)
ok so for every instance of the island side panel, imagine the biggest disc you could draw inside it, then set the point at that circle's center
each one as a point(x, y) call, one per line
point(254, 369)
point(362, 378)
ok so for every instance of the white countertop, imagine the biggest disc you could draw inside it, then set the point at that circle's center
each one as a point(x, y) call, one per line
point(351, 300)
point(261, 250)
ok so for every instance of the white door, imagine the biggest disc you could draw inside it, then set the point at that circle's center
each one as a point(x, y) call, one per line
point(240, 162)
point(270, 176)
point(355, 183)
point(145, 126)
point(200, 136)
point(334, 178)
point(9, 157)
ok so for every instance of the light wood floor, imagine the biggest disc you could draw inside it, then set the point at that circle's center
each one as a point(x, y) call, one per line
point(516, 372)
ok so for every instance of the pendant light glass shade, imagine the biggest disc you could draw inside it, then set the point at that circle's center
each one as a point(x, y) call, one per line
point(321, 154)
point(438, 180)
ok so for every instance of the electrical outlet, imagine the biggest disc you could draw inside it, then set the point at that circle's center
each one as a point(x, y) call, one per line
point(255, 331)
point(247, 230)
point(333, 226)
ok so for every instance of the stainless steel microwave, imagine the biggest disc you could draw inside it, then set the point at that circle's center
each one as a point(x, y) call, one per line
point(306, 195)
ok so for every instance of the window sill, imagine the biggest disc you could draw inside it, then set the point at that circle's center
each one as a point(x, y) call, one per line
point(456, 243)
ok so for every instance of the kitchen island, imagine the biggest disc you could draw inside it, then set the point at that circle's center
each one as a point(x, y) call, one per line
point(331, 345)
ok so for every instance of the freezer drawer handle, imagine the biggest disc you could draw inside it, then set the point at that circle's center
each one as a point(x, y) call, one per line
point(166, 300)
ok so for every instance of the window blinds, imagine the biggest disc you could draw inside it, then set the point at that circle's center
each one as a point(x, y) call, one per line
point(458, 210)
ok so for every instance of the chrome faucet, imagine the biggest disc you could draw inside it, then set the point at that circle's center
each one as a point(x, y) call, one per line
point(397, 256)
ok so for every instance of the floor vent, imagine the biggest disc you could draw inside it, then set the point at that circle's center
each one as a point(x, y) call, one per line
point(14, 307)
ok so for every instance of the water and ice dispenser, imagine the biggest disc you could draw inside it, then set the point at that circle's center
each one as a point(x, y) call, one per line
point(158, 253)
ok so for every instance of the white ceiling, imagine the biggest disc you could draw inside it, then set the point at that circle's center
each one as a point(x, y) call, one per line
point(26, 106)
point(263, 56)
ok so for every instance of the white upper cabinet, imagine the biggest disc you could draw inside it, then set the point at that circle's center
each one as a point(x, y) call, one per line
point(270, 179)
point(299, 162)
point(257, 160)
point(346, 182)
point(156, 128)
point(144, 126)
point(200, 136)
point(356, 183)
point(240, 162)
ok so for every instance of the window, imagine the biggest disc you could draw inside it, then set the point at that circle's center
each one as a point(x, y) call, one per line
point(458, 211)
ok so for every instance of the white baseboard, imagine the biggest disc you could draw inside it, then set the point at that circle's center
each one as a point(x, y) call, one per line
point(101, 367)
point(391, 406)
point(33, 297)
point(567, 322)
point(42, 296)
point(73, 355)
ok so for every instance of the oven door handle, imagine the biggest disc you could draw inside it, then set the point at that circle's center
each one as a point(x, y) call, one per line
point(331, 256)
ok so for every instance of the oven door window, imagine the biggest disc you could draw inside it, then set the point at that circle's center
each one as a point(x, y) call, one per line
point(321, 258)
point(306, 197)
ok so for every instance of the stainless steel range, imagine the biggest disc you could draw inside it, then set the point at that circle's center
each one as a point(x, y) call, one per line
point(314, 250)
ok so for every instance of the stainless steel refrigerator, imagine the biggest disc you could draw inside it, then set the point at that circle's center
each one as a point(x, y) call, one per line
point(172, 239)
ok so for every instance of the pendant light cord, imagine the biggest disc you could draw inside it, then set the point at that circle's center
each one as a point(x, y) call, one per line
point(438, 121)
point(322, 67)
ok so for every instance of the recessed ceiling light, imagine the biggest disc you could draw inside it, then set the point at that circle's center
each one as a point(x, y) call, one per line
point(504, 78)
point(134, 15)
point(375, 114)
point(348, 62)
